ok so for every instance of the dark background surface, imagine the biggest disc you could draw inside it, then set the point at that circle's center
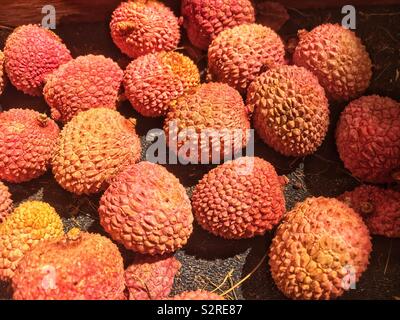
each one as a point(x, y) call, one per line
point(208, 260)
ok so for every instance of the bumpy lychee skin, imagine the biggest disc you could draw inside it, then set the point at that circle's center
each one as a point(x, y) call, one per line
point(152, 82)
point(319, 250)
point(2, 73)
point(27, 142)
point(368, 138)
point(204, 20)
point(81, 84)
point(238, 55)
point(147, 210)
point(144, 26)
point(291, 112)
point(93, 147)
point(208, 121)
point(29, 224)
point(31, 54)
point(151, 278)
point(6, 203)
point(337, 57)
point(198, 295)
point(239, 199)
point(380, 209)
point(79, 266)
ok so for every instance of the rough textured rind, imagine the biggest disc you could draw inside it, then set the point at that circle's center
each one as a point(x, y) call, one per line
point(93, 147)
point(198, 295)
point(27, 142)
point(291, 112)
point(337, 57)
point(144, 26)
point(205, 19)
point(83, 83)
point(238, 55)
point(147, 210)
point(2, 73)
point(239, 199)
point(32, 53)
point(152, 82)
point(319, 250)
point(151, 278)
point(79, 266)
point(29, 224)
point(210, 112)
point(368, 138)
point(6, 203)
point(380, 209)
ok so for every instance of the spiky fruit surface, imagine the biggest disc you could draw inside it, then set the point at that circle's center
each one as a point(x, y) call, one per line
point(238, 55)
point(198, 295)
point(147, 210)
point(91, 81)
point(79, 266)
point(337, 57)
point(204, 20)
point(27, 143)
point(151, 278)
point(319, 250)
point(291, 112)
point(368, 138)
point(144, 26)
point(152, 82)
point(32, 53)
point(239, 199)
point(29, 224)
point(380, 209)
point(2, 73)
point(5, 202)
point(211, 118)
point(93, 147)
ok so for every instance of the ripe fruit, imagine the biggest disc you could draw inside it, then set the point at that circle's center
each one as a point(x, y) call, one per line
point(204, 20)
point(27, 142)
point(79, 266)
point(5, 202)
point(210, 120)
point(291, 112)
point(238, 55)
point(153, 81)
point(144, 26)
point(81, 84)
point(198, 295)
point(368, 138)
point(29, 224)
point(380, 209)
point(93, 147)
point(239, 199)
point(151, 278)
point(31, 54)
point(319, 250)
point(337, 57)
point(147, 210)
point(2, 73)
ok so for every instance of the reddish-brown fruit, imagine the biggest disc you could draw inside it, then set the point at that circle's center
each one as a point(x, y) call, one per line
point(198, 295)
point(2, 73)
point(6, 203)
point(27, 142)
point(368, 138)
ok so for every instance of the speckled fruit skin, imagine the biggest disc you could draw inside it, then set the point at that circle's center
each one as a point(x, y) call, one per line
point(238, 55)
point(380, 209)
point(6, 203)
point(197, 295)
point(32, 53)
point(93, 147)
point(368, 138)
point(205, 19)
point(2, 73)
point(153, 81)
point(86, 82)
point(211, 106)
point(147, 210)
point(337, 57)
point(291, 111)
point(151, 278)
point(79, 266)
point(27, 143)
point(239, 199)
point(29, 224)
point(144, 26)
point(321, 246)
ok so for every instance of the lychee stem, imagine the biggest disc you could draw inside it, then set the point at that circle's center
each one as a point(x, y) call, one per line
point(43, 120)
point(396, 175)
point(73, 234)
point(366, 207)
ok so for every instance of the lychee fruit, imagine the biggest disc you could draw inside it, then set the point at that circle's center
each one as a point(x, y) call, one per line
point(6, 203)
point(2, 73)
